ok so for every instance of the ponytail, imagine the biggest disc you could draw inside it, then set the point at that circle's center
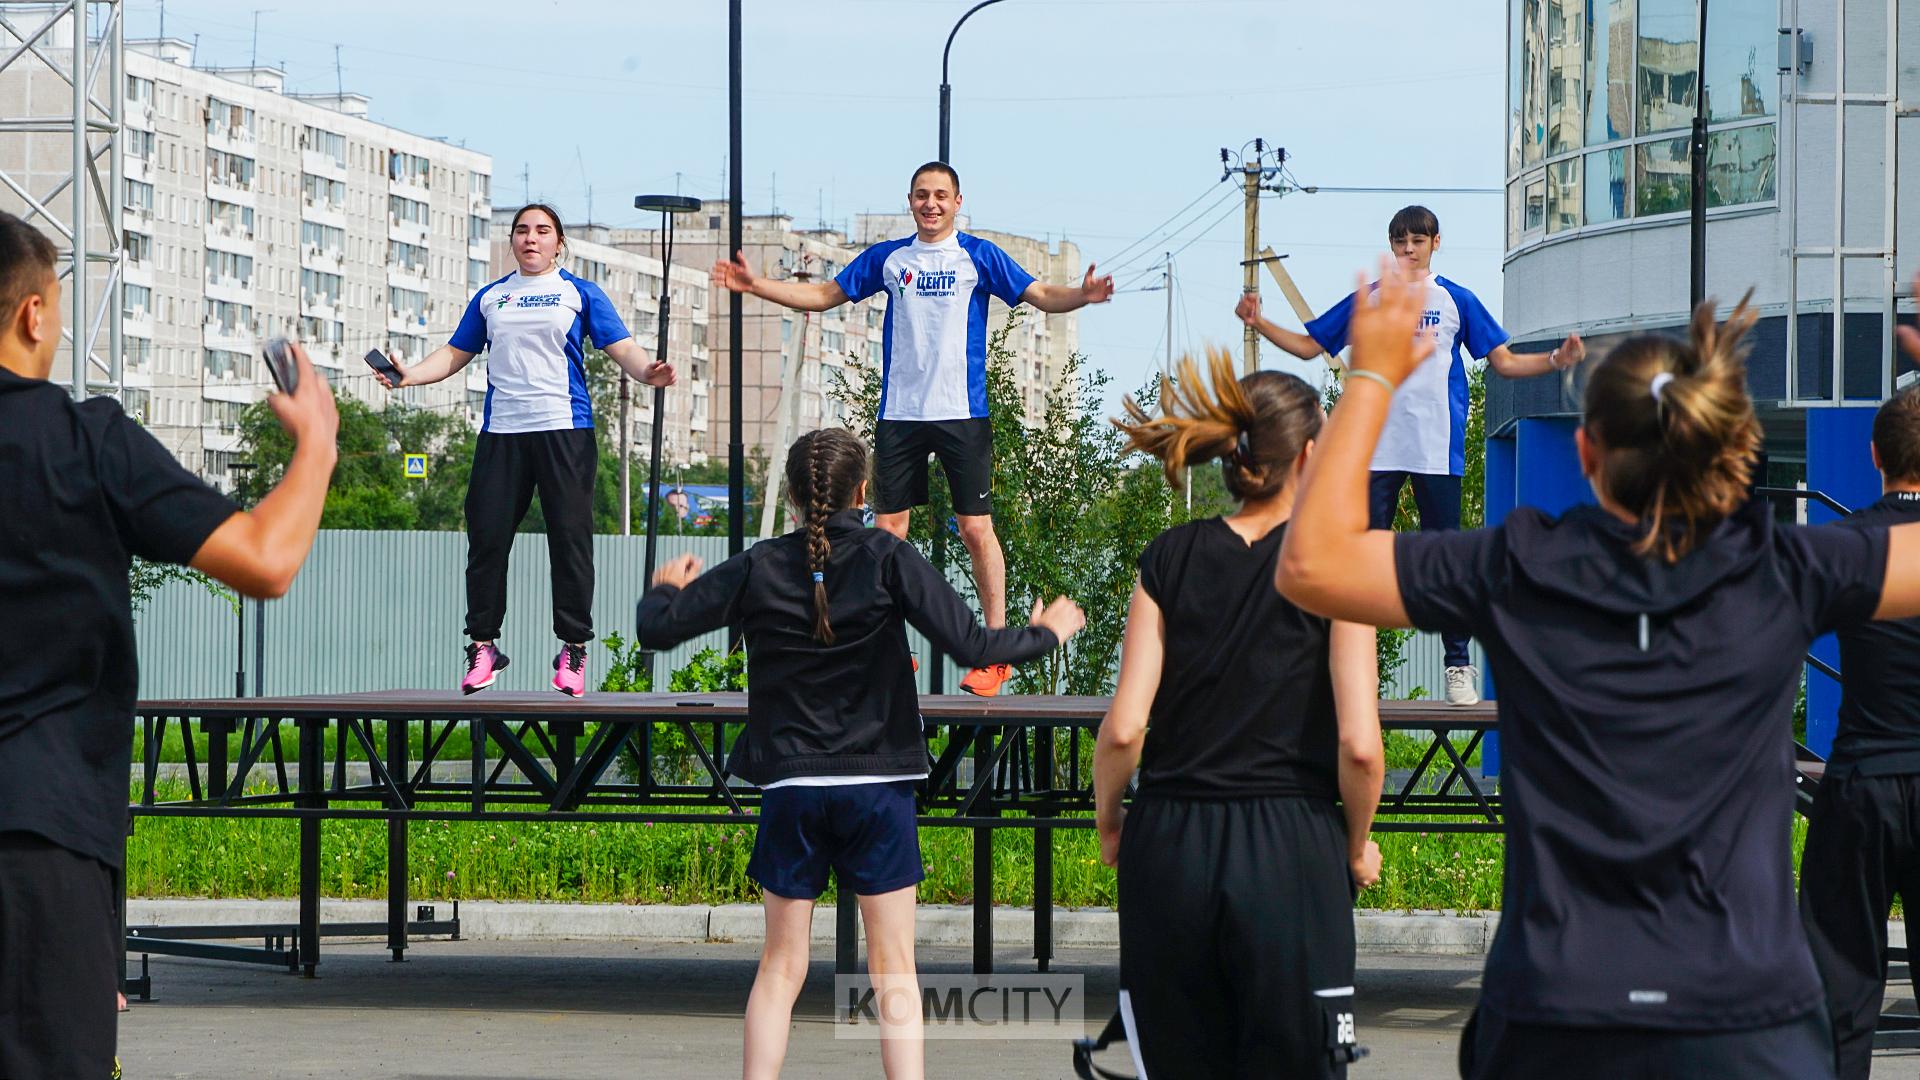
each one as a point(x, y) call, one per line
point(1256, 425)
point(824, 471)
point(1675, 429)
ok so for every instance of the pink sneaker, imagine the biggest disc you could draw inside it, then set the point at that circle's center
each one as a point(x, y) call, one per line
point(570, 670)
point(483, 664)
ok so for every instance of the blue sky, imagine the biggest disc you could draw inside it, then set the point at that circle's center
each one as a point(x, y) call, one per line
point(1093, 119)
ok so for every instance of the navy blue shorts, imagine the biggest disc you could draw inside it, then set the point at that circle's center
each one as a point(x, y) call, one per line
point(865, 833)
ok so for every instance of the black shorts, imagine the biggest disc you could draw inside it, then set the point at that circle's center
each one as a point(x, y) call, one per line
point(59, 960)
point(1492, 1048)
point(1236, 938)
point(965, 450)
point(865, 833)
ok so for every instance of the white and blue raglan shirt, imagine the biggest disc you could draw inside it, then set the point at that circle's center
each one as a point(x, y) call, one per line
point(1426, 430)
point(532, 329)
point(934, 340)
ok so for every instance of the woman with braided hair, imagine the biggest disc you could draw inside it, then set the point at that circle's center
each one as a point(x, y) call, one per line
point(833, 735)
point(1647, 650)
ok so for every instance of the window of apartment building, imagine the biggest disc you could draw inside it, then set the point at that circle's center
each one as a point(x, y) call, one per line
point(137, 351)
point(139, 144)
point(402, 210)
point(477, 229)
point(139, 91)
point(140, 196)
point(323, 194)
point(786, 330)
point(700, 335)
point(480, 184)
point(1598, 98)
point(227, 268)
point(136, 301)
point(322, 331)
point(318, 287)
point(229, 317)
point(230, 219)
point(410, 257)
point(322, 141)
point(476, 273)
point(139, 247)
point(408, 168)
point(230, 169)
point(411, 347)
point(323, 239)
point(408, 304)
point(227, 365)
point(228, 119)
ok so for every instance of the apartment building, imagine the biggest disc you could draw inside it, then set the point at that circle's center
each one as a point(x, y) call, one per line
point(250, 212)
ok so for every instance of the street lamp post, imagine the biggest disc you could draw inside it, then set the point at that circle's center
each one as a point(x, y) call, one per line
point(946, 91)
point(669, 206)
point(1698, 145)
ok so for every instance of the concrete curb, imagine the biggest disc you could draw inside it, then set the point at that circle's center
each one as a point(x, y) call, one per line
point(1425, 933)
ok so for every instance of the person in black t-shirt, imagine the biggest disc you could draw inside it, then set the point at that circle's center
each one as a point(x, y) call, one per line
point(1248, 719)
point(833, 736)
point(1863, 844)
point(1647, 651)
point(85, 490)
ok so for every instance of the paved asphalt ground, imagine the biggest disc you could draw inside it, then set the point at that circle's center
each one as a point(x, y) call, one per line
point(494, 1010)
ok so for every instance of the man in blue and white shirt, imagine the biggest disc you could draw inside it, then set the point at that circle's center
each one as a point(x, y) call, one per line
point(1425, 439)
point(933, 381)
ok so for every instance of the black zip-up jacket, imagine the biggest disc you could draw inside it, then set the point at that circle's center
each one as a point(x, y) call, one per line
point(845, 709)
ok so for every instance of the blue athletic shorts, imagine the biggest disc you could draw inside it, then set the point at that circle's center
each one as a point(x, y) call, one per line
point(865, 833)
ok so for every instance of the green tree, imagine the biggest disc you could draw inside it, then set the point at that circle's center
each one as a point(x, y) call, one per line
point(370, 489)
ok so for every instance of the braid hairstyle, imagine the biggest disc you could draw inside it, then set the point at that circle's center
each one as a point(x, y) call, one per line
point(1256, 425)
point(825, 469)
point(1675, 429)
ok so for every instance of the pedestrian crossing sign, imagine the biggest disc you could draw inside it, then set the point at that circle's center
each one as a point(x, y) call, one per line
point(416, 466)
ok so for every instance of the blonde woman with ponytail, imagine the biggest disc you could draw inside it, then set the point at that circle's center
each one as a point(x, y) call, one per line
point(833, 736)
point(1256, 729)
point(1647, 650)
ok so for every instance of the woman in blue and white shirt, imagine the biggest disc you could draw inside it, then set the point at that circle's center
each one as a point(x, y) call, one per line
point(536, 435)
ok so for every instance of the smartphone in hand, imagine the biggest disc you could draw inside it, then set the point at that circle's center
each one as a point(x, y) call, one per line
point(377, 360)
point(281, 364)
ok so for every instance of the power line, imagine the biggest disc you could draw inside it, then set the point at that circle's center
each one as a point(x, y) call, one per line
point(1150, 233)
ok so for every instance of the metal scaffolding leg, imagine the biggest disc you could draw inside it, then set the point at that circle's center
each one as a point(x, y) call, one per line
point(80, 43)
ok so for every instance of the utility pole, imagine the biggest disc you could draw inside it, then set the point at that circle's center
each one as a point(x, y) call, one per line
point(1166, 282)
point(1256, 176)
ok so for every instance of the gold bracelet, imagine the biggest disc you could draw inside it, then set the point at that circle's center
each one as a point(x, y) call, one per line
point(1362, 373)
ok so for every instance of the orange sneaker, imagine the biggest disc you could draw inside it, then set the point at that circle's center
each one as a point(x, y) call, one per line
point(987, 681)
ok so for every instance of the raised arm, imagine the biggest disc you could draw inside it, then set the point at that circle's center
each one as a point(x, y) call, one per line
point(1356, 701)
point(441, 363)
point(684, 603)
point(1055, 299)
point(1330, 563)
point(1300, 345)
point(1122, 733)
point(934, 609)
point(738, 276)
point(259, 551)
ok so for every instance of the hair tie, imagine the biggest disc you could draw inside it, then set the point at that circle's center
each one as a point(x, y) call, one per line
point(1659, 385)
point(819, 577)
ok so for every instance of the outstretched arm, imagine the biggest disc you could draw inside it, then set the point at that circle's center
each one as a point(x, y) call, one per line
point(1330, 563)
point(633, 360)
point(738, 276)
point(1300, 345)
point(1055, 299)
point(1516, 365)
point(442, 363)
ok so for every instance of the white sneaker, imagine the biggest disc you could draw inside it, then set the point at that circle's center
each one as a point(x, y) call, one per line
point(1463, 686)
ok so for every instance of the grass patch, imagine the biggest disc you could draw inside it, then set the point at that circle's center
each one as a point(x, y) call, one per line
point(622, 862)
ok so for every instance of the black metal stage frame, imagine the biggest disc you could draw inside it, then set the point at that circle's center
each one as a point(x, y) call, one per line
point(1026, 753)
